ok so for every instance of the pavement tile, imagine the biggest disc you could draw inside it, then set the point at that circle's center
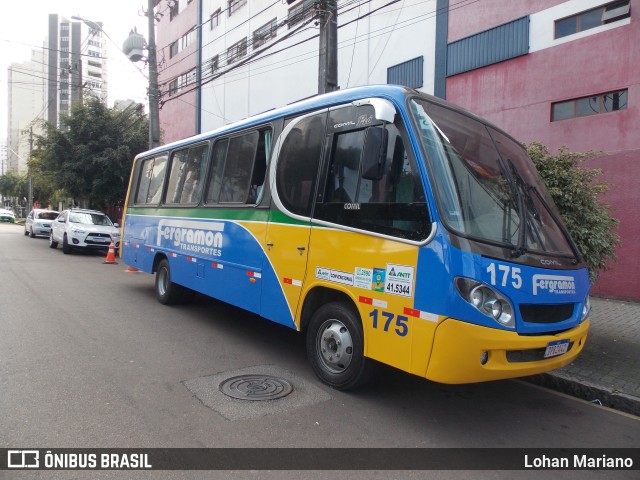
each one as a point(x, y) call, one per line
point(608, 369)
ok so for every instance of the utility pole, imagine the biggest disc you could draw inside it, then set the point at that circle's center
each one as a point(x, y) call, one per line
point(328, 54)
point(154, 92)
point(30, 179)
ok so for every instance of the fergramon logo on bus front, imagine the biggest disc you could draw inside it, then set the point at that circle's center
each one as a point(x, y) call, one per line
point(192, 236)
point(556, 284)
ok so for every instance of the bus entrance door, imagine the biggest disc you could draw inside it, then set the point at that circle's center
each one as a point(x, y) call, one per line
point(286, 250)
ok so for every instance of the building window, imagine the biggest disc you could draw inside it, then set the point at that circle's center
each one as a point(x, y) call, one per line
point(585, 106)
point(179, 45)
point(265, 33)
point(174, 9)
point(596, 17)
point(303, 11)
point(236, 51)
point(215, 19)
point(234, 5)
point(182, 81)
point(215, 64)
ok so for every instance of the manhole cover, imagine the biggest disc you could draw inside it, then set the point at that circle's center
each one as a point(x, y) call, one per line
point(256, 387)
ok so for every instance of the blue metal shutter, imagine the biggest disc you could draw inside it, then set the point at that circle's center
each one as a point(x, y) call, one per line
point(495, 45)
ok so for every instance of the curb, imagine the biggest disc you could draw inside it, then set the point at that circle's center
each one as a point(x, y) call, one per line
point(588, 391)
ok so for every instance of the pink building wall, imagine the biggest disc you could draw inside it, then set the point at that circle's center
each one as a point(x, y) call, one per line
point(177, 114)
point(517, 95)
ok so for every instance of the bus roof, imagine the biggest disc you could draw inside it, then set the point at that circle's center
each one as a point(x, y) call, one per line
point(395, 93)
point(391, 92)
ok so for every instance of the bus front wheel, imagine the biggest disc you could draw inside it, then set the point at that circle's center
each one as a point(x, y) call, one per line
point(167, 292)
point(335, 347)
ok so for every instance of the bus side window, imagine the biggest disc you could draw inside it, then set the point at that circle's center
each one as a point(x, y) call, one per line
point(186, 175)
point(151, 178)
point(157, 180)
point(196, 165)
point(144, 178)
point(394, 204)
point(238, 166)
point(214, 185)
point(260, 167)
point(298, 162)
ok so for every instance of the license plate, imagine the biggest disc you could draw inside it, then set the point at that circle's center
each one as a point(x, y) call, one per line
point(556, 348)
point(97, 239)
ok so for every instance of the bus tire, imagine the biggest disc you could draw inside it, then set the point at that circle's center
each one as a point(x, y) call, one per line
point(335, 347)
point(167, 292)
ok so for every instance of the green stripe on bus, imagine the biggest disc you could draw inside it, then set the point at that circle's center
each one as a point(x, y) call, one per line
point(254, 215)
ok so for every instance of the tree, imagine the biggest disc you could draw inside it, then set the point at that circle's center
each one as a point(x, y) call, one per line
point(576, 194)
point(90, 156)
point(14, 186)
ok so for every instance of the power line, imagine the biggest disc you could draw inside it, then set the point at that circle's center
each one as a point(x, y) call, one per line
point(366, 36)
point(219, 37)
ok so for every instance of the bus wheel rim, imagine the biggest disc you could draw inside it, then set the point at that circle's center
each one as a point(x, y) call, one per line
point(163, 281)
point(335, 346)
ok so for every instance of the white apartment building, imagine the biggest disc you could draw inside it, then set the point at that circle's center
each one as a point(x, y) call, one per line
point(255, 55)
point(77, 64)
point(26, 85)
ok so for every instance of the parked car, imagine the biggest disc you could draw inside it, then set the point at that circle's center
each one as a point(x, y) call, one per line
point(80, 228)
point(38, 222)
point(7, 216)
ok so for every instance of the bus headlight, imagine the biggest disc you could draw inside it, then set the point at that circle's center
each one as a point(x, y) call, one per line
point(488, 301)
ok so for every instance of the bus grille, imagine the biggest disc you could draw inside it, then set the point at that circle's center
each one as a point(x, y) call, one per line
point(546, 313)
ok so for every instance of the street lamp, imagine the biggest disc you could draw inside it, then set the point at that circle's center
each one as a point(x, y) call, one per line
point(133, 47)
point(130, 46)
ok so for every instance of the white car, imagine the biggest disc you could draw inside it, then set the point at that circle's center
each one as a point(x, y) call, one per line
point(7, 216)
point(38, 222)
point(87, 229)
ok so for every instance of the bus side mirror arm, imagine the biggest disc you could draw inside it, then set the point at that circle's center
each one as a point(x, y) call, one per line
point(374, 153)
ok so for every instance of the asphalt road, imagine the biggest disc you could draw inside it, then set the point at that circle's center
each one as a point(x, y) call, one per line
point(89, 358)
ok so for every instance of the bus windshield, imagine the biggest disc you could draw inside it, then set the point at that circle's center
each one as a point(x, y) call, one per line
point(486, 186)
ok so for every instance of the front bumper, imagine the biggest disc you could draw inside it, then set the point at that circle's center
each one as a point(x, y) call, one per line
point(458, 348)
point(84, 242)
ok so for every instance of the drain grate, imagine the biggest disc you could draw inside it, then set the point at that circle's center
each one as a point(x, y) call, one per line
point(256, 387)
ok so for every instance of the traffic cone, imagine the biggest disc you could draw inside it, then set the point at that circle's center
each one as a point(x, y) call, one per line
point(111, 254)
point(131, 270)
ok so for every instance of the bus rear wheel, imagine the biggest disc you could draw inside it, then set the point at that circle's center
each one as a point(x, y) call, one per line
point(335, 347)
point(167, 292)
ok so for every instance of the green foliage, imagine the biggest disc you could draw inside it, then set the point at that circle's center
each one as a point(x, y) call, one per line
point(89, 157)
point(13, 185)
point(576, 194)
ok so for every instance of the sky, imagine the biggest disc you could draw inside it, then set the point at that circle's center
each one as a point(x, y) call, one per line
point(24, 25)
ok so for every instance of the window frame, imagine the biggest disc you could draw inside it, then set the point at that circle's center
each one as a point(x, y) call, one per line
point(265, 33)
point(140, 174)
point(601, 99)
point(237, 51)
point(217, 15)
point(234, 5)
point(330, 141)
point(607, 7)
point(168, 170)
point(204, 201)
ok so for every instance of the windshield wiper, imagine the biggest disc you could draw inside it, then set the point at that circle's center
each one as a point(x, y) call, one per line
point(519, 249)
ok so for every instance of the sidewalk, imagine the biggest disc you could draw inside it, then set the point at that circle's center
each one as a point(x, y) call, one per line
point(607, 371)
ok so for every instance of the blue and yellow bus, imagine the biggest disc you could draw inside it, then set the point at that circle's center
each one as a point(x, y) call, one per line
point(386, 224)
